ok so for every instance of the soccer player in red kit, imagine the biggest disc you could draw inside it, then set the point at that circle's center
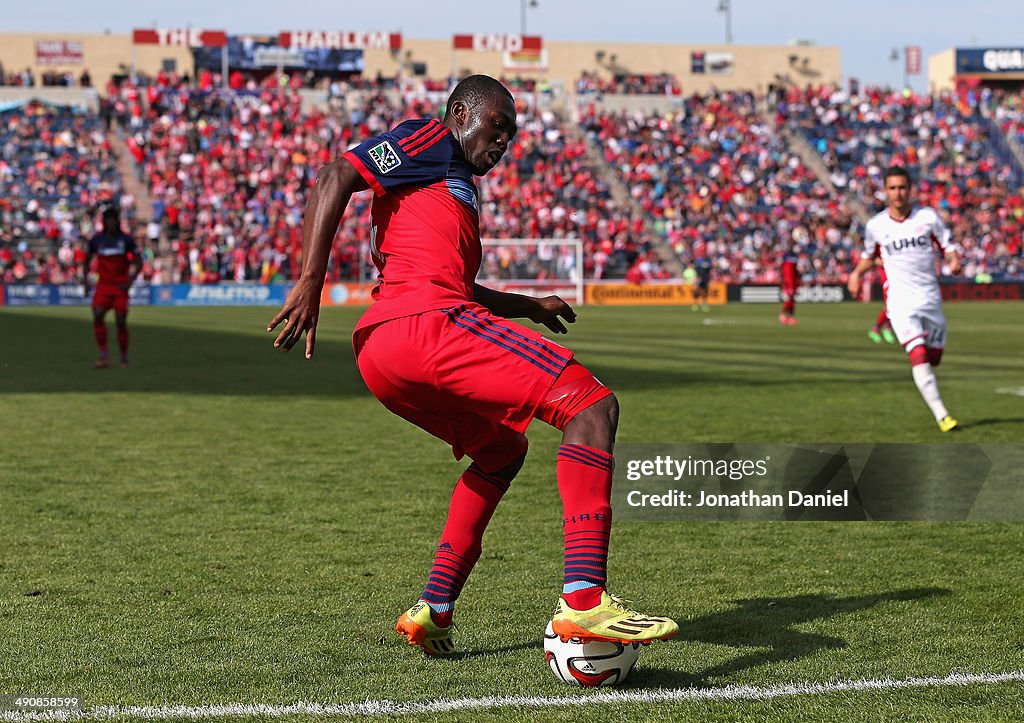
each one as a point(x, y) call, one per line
point(117, 266)
point(436, 348)
point(790, 283)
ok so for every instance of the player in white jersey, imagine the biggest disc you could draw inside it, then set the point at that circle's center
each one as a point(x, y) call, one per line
point(904, 237)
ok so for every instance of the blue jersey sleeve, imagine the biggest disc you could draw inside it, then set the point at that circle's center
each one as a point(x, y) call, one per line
point(416, 153)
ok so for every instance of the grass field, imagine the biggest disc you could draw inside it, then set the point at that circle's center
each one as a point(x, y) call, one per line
point(222, 523)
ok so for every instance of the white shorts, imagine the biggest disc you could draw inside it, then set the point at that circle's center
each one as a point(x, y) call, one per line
point(920, 326)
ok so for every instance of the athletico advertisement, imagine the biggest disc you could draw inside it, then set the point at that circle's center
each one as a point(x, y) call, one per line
point(654, 294)
point(221, 295)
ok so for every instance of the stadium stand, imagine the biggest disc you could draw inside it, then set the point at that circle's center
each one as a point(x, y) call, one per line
point(946, 144)
point(228, 172)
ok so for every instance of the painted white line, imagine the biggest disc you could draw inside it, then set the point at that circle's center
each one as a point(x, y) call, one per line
point(387, 707)
point(1016, 391)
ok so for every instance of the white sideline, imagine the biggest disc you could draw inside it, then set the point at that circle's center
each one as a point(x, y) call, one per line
point(388, 707)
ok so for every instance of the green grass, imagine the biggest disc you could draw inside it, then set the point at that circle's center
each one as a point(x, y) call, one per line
point(224, 523)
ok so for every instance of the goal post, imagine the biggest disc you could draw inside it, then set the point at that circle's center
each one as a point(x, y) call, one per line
point(534, 266)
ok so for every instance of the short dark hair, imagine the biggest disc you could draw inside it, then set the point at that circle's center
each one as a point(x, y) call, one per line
point(110, 214)
point(475, 90)
point(897, 171)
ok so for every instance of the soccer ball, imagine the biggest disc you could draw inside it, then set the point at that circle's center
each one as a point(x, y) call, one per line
point(589, 664)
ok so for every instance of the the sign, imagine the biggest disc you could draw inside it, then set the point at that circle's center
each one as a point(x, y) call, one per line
point(348, 294)
point(181, 37)
point(815, 294)
point(720, 63)
point(913, 58)
point(272, 58)
point(339, 40)
point(221, 294)
point(653, 294)
point(254, 52)
point(526, 61)
point(697, 63)
point(64, 295)
point(58, 52)
point(966, 291)
point(498, 42)
point(990, 61)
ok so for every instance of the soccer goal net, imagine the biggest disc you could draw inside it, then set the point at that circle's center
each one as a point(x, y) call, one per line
point(534, 266)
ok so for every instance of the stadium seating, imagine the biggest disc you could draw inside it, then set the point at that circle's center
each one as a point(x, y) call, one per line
point(943, 140)
point(718, 181)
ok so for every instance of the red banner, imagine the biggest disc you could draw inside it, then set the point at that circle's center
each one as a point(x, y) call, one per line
point(913, 53)
point(58, 52)
point(181, 37)
point(338, 40)
point(498, 42)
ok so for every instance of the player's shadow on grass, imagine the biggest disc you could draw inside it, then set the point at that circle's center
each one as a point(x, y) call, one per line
point(770, 625)
point(54, 355)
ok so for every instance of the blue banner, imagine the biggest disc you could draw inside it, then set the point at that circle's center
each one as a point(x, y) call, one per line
point(990, 61)
point(221, 294)
point(255, 52)
point(146, 295)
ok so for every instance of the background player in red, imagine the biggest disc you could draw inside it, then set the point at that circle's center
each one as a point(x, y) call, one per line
point(435, 349)
point(116, 267)
point(790, 283)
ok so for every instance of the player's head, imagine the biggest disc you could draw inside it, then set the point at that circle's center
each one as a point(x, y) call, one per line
point(110, 218)
point(897, 187)
point(482, 116)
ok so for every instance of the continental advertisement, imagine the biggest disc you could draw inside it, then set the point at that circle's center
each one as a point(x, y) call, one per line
point(653, 294)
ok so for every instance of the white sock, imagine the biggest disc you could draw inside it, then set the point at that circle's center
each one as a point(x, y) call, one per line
point(924, 378)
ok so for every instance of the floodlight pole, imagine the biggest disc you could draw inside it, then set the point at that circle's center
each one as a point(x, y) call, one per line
point(725, 7)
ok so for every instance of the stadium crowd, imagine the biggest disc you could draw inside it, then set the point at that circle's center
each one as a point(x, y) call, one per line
point(943, 139)
point(720, 183)
point(56, 168)
point(229, 170)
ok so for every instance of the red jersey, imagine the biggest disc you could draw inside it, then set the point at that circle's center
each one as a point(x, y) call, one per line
point(114, 253)
point(790, 272)
point(425, 234)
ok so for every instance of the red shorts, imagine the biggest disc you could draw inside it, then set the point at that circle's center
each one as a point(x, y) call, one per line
point(472, 379)
point(110, 297)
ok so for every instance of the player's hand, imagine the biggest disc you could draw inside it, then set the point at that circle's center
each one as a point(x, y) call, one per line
point(300, 313)
point(549, 309)
point(853, 284)
point(954, 266)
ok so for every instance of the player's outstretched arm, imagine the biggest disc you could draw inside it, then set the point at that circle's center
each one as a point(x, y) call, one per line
point(546, 310)
point(335, 184)
point(953, 261)
point(853, 283)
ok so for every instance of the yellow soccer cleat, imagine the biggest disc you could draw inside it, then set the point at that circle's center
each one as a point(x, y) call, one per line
point(610, 620)
point(419, 628)
point(948, 424)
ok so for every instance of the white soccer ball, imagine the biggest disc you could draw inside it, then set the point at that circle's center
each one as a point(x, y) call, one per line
point(589, 664)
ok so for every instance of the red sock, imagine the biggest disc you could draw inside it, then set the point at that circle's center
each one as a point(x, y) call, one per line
point(122, 340)
point(476, 496)
point(585, 484)
point(882, 320)
point(99, 330)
